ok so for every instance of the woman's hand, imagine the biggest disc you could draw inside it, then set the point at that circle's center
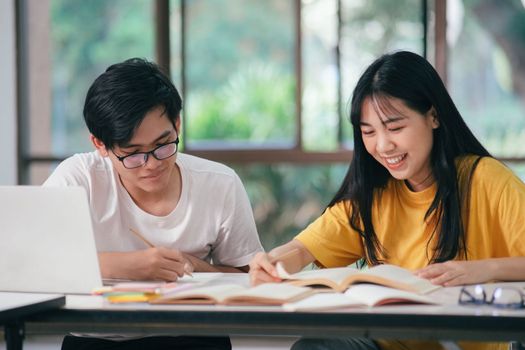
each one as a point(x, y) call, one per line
point(262, 269)
point(293, 256)
point(454, 273)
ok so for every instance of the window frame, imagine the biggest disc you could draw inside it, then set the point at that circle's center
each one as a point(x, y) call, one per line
point(293, 155)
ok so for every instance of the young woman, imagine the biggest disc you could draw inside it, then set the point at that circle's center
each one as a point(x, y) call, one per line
point(421, 192)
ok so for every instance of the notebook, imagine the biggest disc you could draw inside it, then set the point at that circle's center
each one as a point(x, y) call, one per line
point(46, 241)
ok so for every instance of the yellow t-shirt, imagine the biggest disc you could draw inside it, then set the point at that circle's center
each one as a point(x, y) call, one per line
point(494, 229)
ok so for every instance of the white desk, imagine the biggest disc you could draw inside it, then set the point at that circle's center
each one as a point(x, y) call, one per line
point(14, 307)
point(90, 314)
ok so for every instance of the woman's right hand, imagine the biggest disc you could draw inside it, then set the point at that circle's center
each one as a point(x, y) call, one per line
point(293, 255)
point(262, 270)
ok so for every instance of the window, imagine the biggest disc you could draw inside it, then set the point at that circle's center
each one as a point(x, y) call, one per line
point(369, 29)
point(240, 84)
point(67, 44)
point(486, 42)
point(265, 83)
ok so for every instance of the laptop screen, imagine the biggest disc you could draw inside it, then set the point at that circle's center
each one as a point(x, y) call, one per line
point(46, 241)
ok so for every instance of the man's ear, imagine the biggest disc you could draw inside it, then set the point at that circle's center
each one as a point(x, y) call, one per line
point(99, 145)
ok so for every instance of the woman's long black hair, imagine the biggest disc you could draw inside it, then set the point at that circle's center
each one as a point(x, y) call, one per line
point(409, 77)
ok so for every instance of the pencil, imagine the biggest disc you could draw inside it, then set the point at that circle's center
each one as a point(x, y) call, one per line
point(142, 238)
point(149, 244)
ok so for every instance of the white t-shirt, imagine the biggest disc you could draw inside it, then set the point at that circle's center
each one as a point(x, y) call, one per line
point(213, 220)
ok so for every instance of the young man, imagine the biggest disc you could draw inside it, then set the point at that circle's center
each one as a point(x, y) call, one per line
point(157, 213)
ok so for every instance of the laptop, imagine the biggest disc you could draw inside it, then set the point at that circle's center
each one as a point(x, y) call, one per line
point(46, 241)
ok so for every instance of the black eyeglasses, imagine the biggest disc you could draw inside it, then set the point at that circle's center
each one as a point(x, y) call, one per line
point(138, 159)
point(502, 297)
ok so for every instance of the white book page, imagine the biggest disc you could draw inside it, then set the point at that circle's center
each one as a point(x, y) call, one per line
point(322, 301)
point(200, 277)
point(272, 290)
point(372, 294)
point(399, 274)
point(335, 274)
point(217, 292)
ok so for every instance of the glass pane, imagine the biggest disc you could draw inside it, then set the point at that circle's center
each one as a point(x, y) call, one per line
point(39, 172)
point(240, 73)
point(486, 72)
point(518, 168)
point(371, 28)
point(320, 74)
point(175, 44)
point(286, 198)
point(86, 37)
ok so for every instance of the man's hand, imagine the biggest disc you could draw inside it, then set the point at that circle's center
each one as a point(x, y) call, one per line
point(157, 263)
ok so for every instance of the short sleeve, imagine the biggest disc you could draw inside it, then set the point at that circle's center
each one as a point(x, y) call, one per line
point(238, 241)
point(70, 172)
point(511, 209)
point(330, 238)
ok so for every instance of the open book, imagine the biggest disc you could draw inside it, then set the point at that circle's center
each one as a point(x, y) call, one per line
point(233, 294)
point(127, 291)
point(358, 296)
point(340, 278)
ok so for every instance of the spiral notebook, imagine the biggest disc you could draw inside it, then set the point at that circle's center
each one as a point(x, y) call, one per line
point(46, 241)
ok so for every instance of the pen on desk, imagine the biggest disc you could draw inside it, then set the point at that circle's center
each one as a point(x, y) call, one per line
point(187, 270)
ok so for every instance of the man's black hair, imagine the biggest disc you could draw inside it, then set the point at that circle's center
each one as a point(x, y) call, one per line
point(119, 99)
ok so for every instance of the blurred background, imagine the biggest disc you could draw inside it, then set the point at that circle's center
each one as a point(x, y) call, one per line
point(265, 83)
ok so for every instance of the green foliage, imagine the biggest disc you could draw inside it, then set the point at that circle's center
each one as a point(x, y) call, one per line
point(223, 35)
point(372, 28)
point(481, 71)
point(256, 103)
point(87, 37)
point(286, 198)
point(383, 25)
